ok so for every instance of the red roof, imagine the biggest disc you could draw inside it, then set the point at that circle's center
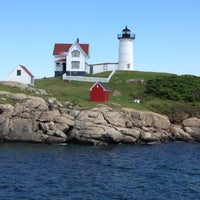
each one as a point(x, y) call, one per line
point(101, 85)
point(60, 49)
point(26, 70)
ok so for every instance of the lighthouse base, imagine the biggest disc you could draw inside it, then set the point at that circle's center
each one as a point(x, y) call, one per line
point(125, 66)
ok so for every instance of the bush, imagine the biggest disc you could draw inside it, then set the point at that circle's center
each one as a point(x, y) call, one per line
point(184, 88)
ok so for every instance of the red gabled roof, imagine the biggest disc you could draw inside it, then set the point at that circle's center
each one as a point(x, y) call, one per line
point(26, 70)
point(101, 85)
point(85, 48)
point(60, 49)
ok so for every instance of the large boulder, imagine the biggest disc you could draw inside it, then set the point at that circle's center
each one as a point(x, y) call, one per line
point(55, 121)
point(49, 115)
point(17, 96)
point(191, 122)
point(36, 103)
point(180, 134)
point(130, 135)
point(147, 119)
point(95, 127)
point(6, 110)
point(4, 126)
point(192, 127)
point(21, 129)
point(95, 135)
point(111, 116)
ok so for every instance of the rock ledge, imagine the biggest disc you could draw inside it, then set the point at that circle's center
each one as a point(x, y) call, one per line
point(49, 121)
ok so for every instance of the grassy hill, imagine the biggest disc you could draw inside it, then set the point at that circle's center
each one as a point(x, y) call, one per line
point(123, 82)
point(131, 85)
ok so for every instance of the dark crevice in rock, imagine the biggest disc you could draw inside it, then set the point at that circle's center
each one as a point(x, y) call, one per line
point(105, 118)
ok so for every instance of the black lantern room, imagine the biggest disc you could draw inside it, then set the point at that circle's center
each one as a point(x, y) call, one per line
point(126, 33)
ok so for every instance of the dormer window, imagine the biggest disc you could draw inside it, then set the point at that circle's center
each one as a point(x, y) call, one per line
point(75, 53)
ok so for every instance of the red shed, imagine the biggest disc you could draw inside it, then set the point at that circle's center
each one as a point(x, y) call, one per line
point(99, 92)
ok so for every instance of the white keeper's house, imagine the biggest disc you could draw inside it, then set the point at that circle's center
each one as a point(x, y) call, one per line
point(71, 59)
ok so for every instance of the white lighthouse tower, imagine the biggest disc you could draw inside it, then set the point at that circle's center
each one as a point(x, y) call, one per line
point(126, 49)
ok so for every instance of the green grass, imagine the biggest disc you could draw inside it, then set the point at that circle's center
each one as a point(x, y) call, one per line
point(10, 89)
point(102, 75)
point(78, 92)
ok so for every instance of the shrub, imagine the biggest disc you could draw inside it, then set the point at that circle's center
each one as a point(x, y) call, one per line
point(184, 88)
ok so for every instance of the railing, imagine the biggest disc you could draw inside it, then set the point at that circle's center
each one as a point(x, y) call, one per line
point(108, 79)
point(88, 79)
point(120, 36)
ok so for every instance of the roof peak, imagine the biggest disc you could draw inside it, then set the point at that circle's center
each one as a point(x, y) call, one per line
point(26, 70)
point(126, 29)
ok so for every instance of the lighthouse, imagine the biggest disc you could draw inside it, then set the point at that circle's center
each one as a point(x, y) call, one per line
point(126, 49)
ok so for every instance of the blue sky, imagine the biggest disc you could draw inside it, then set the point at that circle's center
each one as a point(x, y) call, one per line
point(167, 33)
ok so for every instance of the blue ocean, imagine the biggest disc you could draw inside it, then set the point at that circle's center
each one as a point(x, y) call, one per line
point(158, 171)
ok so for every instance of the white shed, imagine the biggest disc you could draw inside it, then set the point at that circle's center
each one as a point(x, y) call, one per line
point(21, 74)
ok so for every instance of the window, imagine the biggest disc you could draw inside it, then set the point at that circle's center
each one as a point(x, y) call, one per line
point(58, 64)
point(75, 64)
point(75, 53)
point(18, 72)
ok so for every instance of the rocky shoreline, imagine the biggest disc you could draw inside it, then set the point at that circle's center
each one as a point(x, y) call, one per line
point(38, 120)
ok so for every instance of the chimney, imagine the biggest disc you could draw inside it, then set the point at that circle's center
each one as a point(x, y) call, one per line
point(77, 40)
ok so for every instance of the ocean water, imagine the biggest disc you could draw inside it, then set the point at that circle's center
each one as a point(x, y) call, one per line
point(160, 171)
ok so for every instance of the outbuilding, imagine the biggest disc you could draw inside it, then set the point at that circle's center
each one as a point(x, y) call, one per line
point(21, 74)
point(99, 92)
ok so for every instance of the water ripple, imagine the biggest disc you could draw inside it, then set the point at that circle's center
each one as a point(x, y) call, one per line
point(164, 171)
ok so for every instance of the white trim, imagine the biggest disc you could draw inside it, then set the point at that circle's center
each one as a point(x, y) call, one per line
point(79, 47)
